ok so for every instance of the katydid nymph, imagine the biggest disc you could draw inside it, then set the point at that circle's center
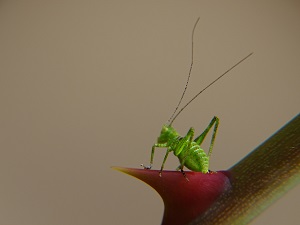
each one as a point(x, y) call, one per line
point(186, 148)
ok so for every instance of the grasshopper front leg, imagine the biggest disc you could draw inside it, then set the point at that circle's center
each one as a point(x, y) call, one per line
point(152, 155)
point(164, 161)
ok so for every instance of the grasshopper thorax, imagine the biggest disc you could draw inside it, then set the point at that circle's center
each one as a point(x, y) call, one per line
point(167, 133)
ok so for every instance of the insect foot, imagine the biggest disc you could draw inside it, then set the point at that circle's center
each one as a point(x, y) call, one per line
point(147, 167)
point(160, 173)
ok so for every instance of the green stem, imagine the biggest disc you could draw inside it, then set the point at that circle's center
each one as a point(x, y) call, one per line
point(259, 179)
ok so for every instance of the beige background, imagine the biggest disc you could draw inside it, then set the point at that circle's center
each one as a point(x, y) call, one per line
point(85, 85)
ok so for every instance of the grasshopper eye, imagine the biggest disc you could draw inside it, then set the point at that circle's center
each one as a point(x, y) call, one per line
point(164, 129)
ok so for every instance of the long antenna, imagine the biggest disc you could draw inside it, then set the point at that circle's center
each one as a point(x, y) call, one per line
point(191, 67)
point(209, 86)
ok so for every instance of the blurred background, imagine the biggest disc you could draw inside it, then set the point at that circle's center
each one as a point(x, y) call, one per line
point(86, 85)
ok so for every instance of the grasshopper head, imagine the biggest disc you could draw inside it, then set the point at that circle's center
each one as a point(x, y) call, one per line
point(167, 133)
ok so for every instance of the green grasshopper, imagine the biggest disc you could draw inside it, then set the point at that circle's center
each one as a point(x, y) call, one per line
point(186, 148)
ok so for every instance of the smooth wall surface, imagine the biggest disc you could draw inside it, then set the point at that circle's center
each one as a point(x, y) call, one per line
point(85, 85)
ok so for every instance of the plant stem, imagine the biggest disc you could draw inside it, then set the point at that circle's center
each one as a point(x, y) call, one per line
point(259, 179)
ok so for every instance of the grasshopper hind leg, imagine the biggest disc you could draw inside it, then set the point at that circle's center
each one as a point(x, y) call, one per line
point(214, 122)
point(183, 173)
